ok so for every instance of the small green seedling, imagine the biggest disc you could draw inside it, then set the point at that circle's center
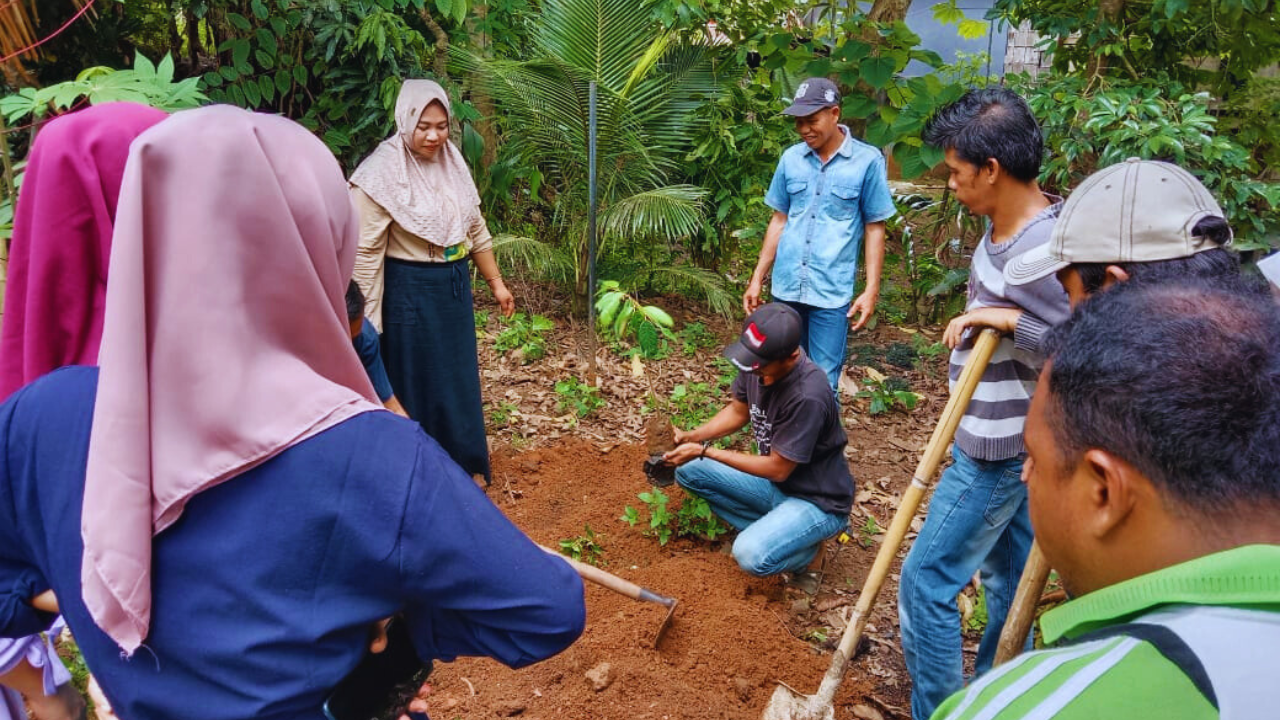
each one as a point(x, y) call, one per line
point(524, 335)
point(585, 547)
point(578, 397)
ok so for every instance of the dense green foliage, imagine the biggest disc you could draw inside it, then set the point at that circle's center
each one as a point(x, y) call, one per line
point(690, 130)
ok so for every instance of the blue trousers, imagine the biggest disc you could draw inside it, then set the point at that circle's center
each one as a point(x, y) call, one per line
point(977, 521)
point(824, 334)
point(776, 532)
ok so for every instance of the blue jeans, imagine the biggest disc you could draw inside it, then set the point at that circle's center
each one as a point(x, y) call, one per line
point(776, 532)
point(977, 521)
point(823, 335)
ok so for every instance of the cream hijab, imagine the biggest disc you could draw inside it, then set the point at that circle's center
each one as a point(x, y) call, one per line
point(436, 199)
point(225, 337)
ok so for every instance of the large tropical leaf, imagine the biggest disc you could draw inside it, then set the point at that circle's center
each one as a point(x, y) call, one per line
point(669, 213)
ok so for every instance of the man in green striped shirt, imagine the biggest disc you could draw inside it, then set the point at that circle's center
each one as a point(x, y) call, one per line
point(1153, 479)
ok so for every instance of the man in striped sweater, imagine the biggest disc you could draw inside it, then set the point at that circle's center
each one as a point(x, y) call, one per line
point(1154, 453)
point(978, 518)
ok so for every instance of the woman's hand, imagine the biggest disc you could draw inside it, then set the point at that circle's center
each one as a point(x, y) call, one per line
point(1001, 319)
point(45, 602)
point(506, 301)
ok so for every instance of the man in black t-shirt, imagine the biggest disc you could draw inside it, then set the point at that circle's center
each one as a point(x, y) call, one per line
point(798, 491)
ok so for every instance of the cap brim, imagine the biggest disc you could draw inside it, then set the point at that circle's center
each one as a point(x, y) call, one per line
point(805, 110)
point(1032, 265)
point(743, 358)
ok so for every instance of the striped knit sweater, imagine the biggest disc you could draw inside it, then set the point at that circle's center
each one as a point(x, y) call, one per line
point(992, 426)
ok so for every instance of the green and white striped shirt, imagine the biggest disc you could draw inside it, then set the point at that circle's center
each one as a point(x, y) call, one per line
point(1222, 611)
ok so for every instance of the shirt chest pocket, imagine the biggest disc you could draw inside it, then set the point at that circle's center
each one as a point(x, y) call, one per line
point(844, 201)
point(798, 191)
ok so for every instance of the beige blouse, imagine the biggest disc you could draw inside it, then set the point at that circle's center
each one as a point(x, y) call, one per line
point(381, 236)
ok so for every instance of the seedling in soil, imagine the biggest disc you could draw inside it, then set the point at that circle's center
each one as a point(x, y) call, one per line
point(579, 397)
point(692, 519)
point(524, 335)
point(585, 547)
point(500, 416)
point(885, 394)
point(870, 528)
point(695, 519)
point(624, 318)
point(694, 337)
point(817, 635)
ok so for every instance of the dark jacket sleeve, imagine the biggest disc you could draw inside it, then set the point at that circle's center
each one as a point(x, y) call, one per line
point(473, 583)
point(19, 580)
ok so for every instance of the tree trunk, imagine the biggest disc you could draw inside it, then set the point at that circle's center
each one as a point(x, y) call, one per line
point(441, 62)
point(1108, 11)
point(888, 10)
point(192, 25)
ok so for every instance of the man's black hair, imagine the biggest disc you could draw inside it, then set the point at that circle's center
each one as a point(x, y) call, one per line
point(990, 123)
point(355, 302)
point(1215, 266)
point(1180, 380)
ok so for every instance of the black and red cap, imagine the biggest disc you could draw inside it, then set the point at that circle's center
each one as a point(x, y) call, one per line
point(769, 334)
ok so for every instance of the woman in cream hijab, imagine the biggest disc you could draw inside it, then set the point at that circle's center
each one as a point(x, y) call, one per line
point(420, 229)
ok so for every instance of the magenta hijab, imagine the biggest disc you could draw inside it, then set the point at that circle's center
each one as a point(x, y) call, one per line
point(62, 240)
point(225, 340)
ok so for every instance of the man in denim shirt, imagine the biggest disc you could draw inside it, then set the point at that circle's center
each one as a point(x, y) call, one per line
point(827, 193)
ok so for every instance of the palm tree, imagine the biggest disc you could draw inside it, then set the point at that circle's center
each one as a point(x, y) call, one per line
point(649, 83)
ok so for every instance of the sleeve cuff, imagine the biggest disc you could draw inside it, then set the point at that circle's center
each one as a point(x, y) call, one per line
point(1029, 333)
point(17, 617)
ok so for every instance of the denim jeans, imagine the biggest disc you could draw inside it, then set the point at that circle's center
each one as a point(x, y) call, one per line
point(776, 532)
point(823, 335)
point(977, 521)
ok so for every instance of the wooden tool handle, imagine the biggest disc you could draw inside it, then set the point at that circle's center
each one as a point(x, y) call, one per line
point(1025, 601)
point(611, 581)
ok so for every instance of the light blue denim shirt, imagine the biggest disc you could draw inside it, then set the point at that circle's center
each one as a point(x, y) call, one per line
point(827, 207)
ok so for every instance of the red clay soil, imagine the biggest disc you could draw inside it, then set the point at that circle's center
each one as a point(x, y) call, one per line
point(733, 638)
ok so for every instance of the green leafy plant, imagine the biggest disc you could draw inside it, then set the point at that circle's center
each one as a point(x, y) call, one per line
point(926, 349)
point(867, 532)
point(695, 519)
point(977, 620)
point(885, 395)
point(622, 317)
point(146, 83)
point(585, 547)
point(692, 519)
point(578, 397)
point(1096, 123)
point(694, 337)
point(526, 335)
point(501, 414)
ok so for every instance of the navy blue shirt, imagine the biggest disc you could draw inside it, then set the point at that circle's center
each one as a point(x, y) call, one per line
point(265, 589)
point(367, 347)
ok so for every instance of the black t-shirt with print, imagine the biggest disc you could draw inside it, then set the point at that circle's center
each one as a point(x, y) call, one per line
point(798, 418)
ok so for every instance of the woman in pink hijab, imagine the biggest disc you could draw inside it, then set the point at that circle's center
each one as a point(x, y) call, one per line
point(224, 492)
point(53, 312)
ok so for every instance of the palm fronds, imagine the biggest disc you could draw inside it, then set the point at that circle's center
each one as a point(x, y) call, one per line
point(668, 213)
point(687, 279)
point(539, 258)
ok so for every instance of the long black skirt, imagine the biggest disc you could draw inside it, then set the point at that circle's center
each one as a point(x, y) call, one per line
point(429, 348)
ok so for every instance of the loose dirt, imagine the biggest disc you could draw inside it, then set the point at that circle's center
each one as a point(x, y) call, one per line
point(734, 637)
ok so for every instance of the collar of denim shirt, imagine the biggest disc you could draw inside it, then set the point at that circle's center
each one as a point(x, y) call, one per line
point(845, 149)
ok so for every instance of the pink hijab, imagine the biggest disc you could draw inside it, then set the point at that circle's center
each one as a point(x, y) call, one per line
point(225, 340)
point(435, 199)
point(62, 239)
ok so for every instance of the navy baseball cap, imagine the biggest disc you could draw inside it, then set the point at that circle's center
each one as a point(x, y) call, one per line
point(813, 95)
point(769, 334)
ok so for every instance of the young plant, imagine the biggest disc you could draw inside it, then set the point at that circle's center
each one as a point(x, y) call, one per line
point(870, 528)
point(585, 547)
point(886, 393)
point(579, 397)
point(694, 337)
point(500, 416)
point(659, 517)
point(695, 519)
point(623, 318)
point(524, 335)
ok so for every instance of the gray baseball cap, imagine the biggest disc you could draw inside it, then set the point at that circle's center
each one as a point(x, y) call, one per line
point(813, 95)
point(1134, 211)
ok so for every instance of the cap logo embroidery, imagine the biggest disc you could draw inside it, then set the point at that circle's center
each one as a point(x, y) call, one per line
point(753, 336)
point(800, 91)
point(831, 96)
